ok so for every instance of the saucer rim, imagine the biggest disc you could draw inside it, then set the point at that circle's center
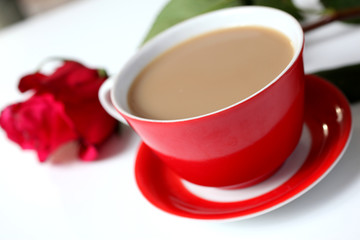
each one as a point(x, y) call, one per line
point(283, 200)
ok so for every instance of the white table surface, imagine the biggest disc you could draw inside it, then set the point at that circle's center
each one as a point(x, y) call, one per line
point(100, 200)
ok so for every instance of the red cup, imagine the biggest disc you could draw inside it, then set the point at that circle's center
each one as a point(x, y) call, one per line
point(236, 146)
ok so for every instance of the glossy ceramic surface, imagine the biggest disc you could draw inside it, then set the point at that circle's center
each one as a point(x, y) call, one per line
point(212, 149)
point(324, 139)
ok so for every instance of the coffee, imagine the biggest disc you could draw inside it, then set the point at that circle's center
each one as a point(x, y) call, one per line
point(209, 72)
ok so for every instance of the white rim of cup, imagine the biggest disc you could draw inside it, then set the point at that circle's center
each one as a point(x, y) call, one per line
point(152, 43)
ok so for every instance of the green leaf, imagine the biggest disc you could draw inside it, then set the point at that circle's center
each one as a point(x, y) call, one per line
point(340, 5)
point(102, 73)
point(347, 79)
point(285, 5)
point(177, 11)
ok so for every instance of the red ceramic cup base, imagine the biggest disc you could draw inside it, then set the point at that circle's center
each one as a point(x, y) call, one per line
point(325, 136)
point(251, 183)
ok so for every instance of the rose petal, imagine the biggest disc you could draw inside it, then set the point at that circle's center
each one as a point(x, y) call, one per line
point(40, 123)
point(83, 83)
point(31, 81)
point(72, 82)
point(93, 124)
point(88, 153)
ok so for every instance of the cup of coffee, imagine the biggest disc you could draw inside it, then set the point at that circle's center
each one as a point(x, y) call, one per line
point(218, 98)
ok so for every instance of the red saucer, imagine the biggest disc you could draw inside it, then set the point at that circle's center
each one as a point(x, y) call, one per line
point(325, 137)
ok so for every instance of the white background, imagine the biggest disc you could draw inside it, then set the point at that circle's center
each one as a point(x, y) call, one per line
point(100, 200)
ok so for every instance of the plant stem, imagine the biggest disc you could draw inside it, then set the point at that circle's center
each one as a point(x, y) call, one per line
point(338, 15)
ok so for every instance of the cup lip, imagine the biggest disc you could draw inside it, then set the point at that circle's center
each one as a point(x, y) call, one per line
point(297, 54)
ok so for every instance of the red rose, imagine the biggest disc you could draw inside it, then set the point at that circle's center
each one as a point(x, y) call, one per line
point(40, 123)
point(70, 83)
point(76, 87)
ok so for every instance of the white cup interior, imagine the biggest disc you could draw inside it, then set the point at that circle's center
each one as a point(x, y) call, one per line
point(227, 18)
